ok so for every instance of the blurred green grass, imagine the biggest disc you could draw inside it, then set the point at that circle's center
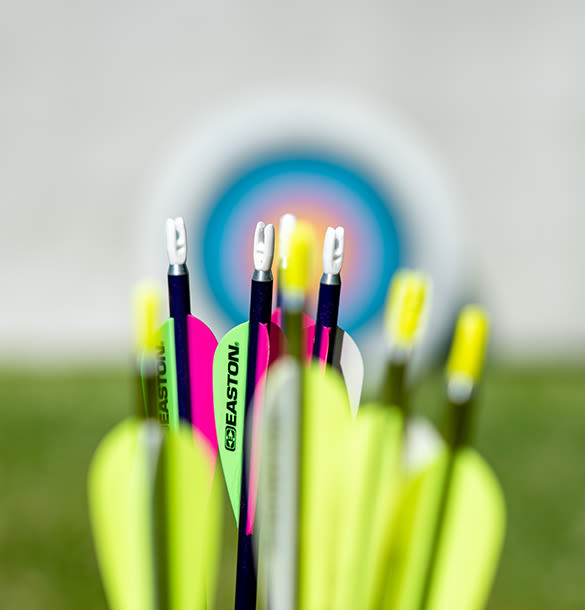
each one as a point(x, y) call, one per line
point(531, 428)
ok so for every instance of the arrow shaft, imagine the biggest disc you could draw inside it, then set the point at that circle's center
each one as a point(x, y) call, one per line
point(179, 309)
point(246, 577)
point(279, 299)
point(146, 388)
point(394, 388)
point(327, 315)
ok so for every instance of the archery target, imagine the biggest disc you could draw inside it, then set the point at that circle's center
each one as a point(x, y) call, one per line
point(328, 163)
point(321, 192)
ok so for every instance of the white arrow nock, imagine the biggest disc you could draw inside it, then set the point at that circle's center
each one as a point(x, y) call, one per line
point(263, 247)
point(176, 241)
point(285, 231)
point(333, 247)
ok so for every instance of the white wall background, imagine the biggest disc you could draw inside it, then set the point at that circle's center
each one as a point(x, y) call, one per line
point(93, 95)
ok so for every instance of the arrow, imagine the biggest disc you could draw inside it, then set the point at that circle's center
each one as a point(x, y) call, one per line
point(184, 348)
point(450, 529)
point(406, 311)
point(287, 405)
point(307, 415)
point(405, 321)
point(240, 362)
point(373, 459)
point(329, 295)
point(179, 309)
point(331, 344)
point(370, 489)
point(257, 363)
point(323, 339)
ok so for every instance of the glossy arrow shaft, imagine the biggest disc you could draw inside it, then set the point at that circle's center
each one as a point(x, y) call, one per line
point(327, 314)
point(246, 577)
point(179, 309)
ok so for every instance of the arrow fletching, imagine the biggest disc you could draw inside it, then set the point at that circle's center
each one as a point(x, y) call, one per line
point(229, 392)
point(470, 543)
point(471, 538)
point(154, 520)
point(202, 346)
point(147, 312)
point(451, 525)
point(469, 344)
point(166, 406)
point(147, 315)
point(370, 490)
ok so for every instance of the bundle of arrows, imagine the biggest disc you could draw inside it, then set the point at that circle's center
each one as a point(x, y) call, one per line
point(338, 504)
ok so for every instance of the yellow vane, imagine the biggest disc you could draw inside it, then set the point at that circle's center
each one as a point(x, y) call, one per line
point(469, 343)
point(147, 311)
point(298, 272)
point(406, 307)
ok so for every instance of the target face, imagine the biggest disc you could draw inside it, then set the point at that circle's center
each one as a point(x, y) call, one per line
point(327, 163)
point(320, 191)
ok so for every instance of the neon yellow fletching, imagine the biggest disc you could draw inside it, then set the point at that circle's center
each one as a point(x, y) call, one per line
point(367, 526)
point(120, 513)
point(147, 312)
point(470, 538)
point(326, 418)
point(297, 274)
point(124, 516)
point(406, 306)
point(469, 343)
point(194, 522)
point(411, 538)
point(371, 488)
point(351, 490)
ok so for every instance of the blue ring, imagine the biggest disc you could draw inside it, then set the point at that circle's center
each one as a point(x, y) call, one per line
point(383, 209)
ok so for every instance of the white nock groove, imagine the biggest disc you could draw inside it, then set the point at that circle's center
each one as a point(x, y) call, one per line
point(176, 241)
point(333, 247)
point(263, 247)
